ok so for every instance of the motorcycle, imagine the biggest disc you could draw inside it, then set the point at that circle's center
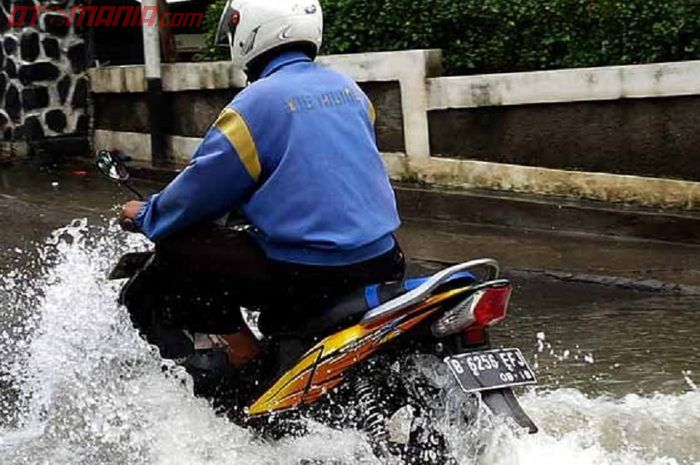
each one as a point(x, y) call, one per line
point(372, 360)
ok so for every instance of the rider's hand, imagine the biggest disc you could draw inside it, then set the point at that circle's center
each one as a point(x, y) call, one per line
point(129, 213)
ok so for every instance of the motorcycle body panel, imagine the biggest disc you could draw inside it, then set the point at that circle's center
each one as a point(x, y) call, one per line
point(324, 366)
point(129, 265)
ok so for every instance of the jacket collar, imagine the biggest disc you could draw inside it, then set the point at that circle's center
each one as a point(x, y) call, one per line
point(285, 59)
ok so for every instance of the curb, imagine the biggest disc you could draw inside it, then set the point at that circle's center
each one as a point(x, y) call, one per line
point(548, 214)
point(519, 211)
point(536, 213)
point(639, 285)
point(650, 286)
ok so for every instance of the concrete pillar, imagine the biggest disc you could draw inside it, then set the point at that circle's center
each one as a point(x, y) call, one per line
point(154, 83)
point(414, 97)
point(411, 68)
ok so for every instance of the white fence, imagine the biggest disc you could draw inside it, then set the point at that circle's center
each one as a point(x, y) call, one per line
point(423, 90)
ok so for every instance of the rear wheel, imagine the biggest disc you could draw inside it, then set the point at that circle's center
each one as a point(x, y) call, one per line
point(397, 409)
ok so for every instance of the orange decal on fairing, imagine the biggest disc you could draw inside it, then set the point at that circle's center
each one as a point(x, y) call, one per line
point(322, 368)
point(289, 390)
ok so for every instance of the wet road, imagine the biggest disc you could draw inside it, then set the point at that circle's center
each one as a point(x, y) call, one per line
point(616, 367)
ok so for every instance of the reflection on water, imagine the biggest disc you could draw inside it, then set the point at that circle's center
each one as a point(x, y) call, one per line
point(79, 386)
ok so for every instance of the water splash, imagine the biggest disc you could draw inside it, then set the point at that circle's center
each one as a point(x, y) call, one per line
point(91, 391)
point(578, 429)
point(78, 386)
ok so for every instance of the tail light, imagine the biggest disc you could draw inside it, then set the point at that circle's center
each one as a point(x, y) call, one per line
point(482, 309)
point(492, 307)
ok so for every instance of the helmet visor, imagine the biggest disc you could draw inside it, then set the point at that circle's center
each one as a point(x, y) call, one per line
point(227, 24)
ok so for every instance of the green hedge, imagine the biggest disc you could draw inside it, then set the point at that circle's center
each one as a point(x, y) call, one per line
point(485, 36)
point(210, 24)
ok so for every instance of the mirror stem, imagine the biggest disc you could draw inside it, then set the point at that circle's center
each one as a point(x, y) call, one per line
point(133, 190)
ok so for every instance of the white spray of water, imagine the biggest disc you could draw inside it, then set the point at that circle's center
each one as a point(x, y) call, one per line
point(97, 394)
point(88, 390)
point(633, 430)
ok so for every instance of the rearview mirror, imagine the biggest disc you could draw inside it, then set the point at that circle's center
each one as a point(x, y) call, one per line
point(111, 167)
point(114, 169)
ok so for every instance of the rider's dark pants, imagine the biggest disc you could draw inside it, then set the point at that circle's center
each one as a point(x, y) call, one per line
point(199, 279)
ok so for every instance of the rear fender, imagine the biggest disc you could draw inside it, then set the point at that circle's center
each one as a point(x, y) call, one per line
point(503, 402)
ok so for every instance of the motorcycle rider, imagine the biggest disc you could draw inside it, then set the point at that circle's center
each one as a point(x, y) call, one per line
point(296, 152)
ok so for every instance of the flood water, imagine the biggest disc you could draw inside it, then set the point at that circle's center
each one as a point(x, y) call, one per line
point(618, 369)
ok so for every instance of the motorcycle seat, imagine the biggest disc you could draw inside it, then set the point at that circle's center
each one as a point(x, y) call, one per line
point(352, 308)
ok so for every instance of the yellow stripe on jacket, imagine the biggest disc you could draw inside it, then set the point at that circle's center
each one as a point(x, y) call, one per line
point(236, 130)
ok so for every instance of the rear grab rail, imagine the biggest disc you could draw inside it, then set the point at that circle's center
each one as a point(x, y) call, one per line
point(418, 294)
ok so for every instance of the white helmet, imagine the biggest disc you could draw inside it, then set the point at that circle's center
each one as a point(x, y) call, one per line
point(253, 27)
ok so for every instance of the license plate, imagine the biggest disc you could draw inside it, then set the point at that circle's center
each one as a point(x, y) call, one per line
point(491, 369)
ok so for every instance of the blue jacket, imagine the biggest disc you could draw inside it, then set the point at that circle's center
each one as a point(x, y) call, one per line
point(297, 151)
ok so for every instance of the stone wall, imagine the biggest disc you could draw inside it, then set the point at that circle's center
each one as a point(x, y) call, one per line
point(43, 84)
